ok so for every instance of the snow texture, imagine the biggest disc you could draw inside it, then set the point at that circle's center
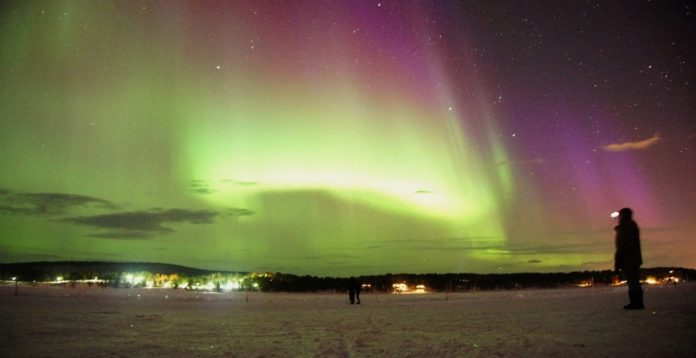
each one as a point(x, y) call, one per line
point(82, 321)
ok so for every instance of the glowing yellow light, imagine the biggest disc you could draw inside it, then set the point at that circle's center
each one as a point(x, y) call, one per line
point(587, 283)
point(651, 280)
point(231, 285)
point(59, 278)
point(400, 287)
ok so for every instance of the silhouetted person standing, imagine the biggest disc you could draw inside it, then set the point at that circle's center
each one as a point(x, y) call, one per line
point(351, 290)
point(357, 286)
point(628, 258)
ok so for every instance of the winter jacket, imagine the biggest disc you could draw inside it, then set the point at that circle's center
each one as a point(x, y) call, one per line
point(627, 246)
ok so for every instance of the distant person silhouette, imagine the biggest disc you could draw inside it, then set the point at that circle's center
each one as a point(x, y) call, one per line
point(357, 287)
point(628, 258)
point(351, 290)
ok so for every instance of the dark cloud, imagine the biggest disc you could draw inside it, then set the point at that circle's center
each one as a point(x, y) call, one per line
point(48, 203)
point(141, 224)
point(605, 263)
point(473, 244)
point(246, 183)
point(125, 235)
point(569, 248)
point(200, 187)
point(203, 190)
point(322, 257)
point(484, 245)
point(236, 212)
point(26, 255)
point(468, 240)
point(239, 182)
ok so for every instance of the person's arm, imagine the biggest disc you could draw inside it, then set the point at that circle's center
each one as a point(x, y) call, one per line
point(618, 255)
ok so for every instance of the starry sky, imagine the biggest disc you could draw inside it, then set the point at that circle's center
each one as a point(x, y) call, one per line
point(347, 137)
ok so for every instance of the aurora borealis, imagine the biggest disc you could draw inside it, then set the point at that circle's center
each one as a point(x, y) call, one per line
point(346, 137)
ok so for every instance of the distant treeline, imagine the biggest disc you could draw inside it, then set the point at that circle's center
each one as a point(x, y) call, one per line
point(84, 270)
point(111, 273)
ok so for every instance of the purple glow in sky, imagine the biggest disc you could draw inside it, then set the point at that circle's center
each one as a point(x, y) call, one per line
point(347, 137)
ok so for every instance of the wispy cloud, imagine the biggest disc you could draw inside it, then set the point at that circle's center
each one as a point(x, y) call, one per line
point(638, 145)
point(47, 203)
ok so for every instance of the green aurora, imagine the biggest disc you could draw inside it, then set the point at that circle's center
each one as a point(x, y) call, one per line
point(269, 137)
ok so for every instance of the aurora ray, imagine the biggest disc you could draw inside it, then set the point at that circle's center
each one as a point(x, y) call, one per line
point(336, 138)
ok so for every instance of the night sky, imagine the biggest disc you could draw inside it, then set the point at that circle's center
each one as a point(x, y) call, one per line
point(347, 137)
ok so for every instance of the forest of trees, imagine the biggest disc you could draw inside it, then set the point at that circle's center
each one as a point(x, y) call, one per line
point(120, 274)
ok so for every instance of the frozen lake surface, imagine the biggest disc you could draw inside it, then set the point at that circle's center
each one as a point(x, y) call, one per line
point(56, 321)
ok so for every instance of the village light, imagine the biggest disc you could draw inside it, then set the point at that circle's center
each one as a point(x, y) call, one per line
point(400, 287)
point(16, 284)
point(231, 285)
point(650, 280)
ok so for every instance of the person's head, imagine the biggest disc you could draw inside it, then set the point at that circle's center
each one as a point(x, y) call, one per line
point(625, 214)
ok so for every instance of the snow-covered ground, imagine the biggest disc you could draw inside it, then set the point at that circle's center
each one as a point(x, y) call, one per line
point(54, 321)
